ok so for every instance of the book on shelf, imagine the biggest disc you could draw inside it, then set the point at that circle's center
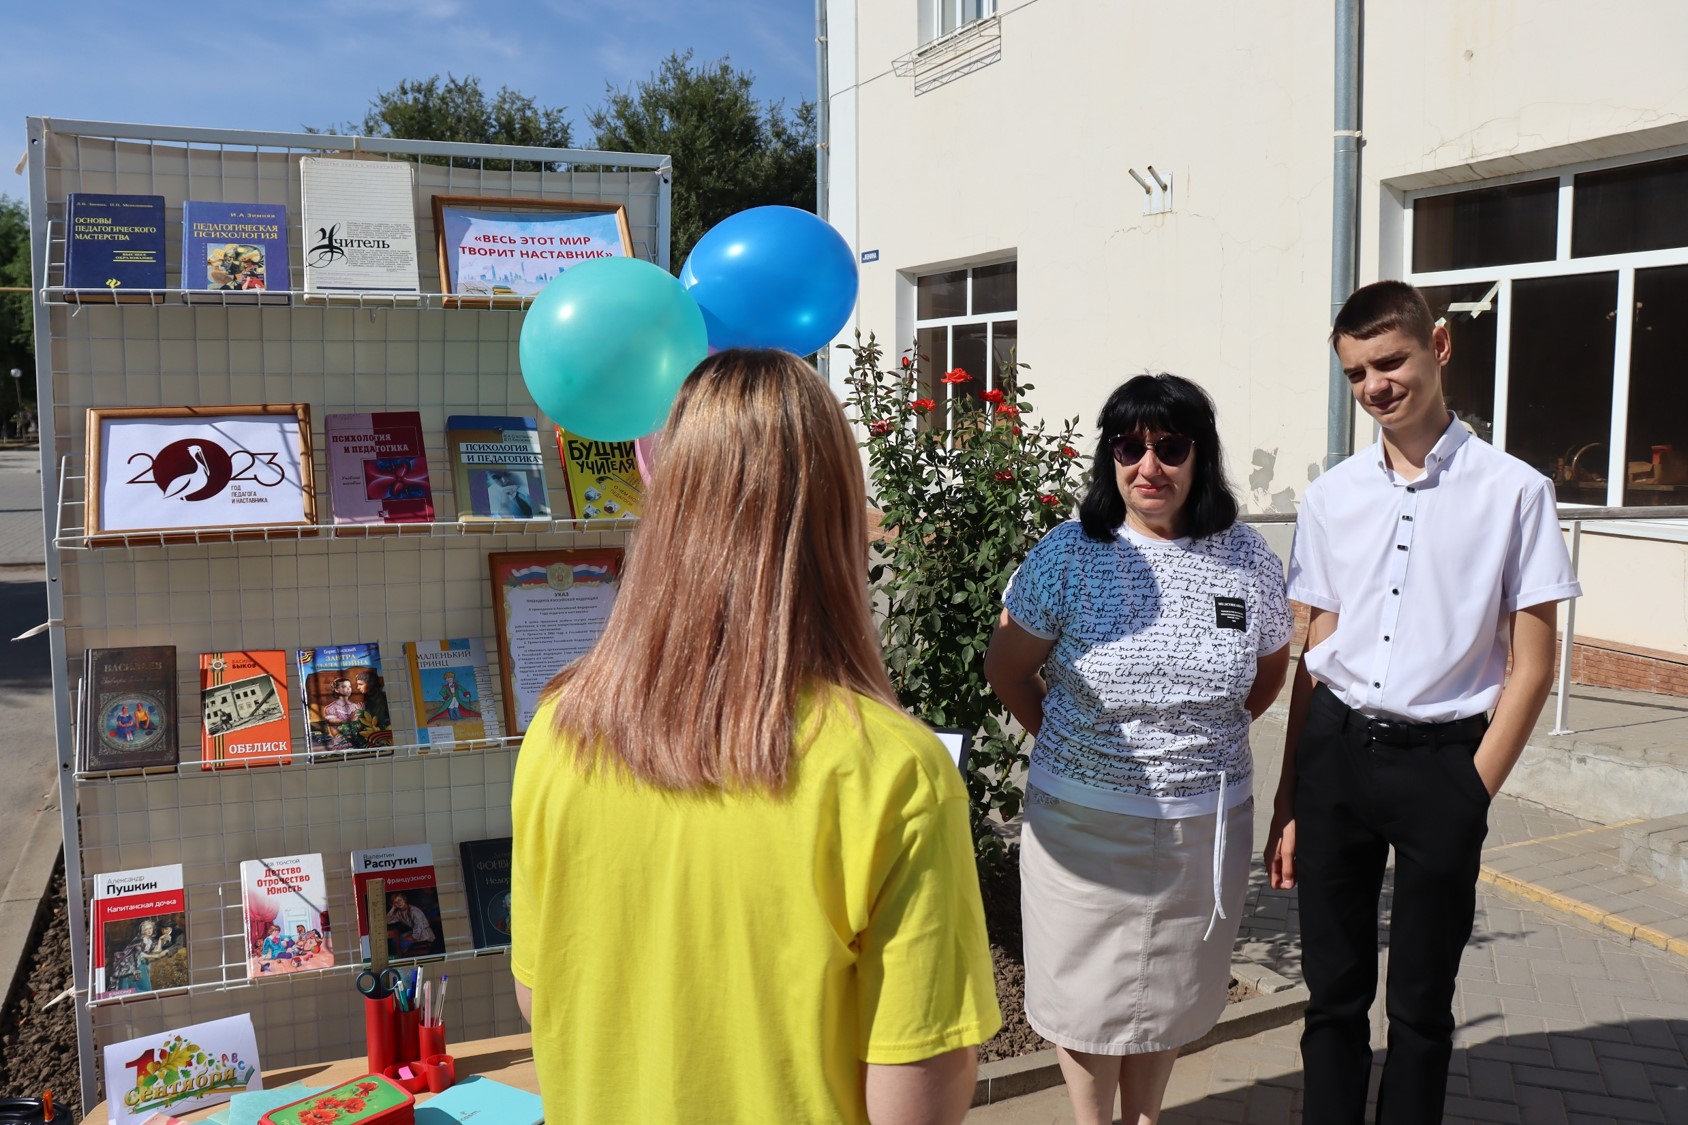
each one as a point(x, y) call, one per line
point(114, 243)
point(345, 698)
point(128, 713)
point(235, 247)
point(486, 883)
point(602, 477)
point(497, 468)
point(360, 225)
point(412, 922)
point(284, 905)
point(243, 701)
point(139, 938)
point(378, 469)
point(450, 691)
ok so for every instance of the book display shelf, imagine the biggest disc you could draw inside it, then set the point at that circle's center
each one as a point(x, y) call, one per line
point(286, 587)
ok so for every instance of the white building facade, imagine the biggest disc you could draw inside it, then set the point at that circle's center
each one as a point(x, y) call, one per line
point(1107, 186)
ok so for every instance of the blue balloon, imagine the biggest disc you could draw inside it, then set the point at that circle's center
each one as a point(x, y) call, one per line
point(606, 345)
point(772, 277)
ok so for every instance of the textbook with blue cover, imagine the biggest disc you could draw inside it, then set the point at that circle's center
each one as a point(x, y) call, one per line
point(234, 247)
point(114, 243)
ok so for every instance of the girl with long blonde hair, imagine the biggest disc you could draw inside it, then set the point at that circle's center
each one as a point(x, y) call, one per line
point(743, 885)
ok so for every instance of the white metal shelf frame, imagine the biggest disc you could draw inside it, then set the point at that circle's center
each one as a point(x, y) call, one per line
point(339, 586)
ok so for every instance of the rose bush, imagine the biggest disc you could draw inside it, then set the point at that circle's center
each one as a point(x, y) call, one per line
point(965, 493)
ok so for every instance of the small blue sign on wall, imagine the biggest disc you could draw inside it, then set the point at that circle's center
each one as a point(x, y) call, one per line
point(870, 255)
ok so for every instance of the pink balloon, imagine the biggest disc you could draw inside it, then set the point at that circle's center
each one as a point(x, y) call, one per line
point(644, 452)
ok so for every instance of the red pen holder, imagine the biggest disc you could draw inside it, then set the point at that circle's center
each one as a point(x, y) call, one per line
point(415, 1084)
point(440, 1071)
point(406, 1040)
point(431, 1040)
point(378, 1032)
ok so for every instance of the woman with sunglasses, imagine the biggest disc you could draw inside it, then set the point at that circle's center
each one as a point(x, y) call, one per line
point(742, 883)
point(1137, 644)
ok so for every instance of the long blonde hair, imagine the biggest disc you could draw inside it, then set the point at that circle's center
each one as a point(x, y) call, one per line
point(746, 582)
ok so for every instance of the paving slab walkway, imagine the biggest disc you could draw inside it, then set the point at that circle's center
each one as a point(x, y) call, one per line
point(1572, 999)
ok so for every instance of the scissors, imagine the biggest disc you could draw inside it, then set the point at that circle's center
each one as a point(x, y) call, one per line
point(378, 985)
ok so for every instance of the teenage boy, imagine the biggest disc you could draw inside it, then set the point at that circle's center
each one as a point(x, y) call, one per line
point(1422, 559)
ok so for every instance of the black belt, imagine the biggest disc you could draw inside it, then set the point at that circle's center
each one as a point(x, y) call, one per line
point(1400, 732)
point(1396, 732)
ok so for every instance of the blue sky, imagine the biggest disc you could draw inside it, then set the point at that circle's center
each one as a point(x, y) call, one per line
point(288, 63)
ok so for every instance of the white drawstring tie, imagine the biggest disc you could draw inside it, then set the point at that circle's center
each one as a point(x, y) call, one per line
point(1218, 860)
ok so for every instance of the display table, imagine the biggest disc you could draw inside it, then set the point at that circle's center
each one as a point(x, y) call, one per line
point(507, 1059)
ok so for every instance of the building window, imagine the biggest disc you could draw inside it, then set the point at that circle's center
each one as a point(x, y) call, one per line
point(1567, 299)
point(939, 18)
point(966, 318)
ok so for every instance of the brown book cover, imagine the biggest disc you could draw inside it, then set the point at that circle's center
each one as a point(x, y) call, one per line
point(129, 710)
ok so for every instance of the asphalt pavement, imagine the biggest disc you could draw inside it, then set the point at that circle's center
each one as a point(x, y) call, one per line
point(30, 827)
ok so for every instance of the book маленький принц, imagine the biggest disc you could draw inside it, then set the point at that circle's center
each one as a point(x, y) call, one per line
point(345, 698)
point(413, 900)
point(377, 469)
point(603, 477)
point(234, 247)
point(285, 906)
point(451, 691)
point(486, 882)
point(243, 700)
point(129, 710)
point(497, 468)
point(114, 244)
point(139, 929)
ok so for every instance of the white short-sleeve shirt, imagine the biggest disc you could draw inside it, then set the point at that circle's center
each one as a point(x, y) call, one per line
point(1156, 648)
point(1425, 574)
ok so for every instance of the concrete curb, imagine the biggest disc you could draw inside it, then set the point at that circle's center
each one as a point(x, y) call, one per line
point(22, 900)
point(1565, 904)
point(1281, 1003)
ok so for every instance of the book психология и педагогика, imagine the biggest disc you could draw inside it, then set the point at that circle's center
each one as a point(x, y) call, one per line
point(497, 468)
point(378, 469)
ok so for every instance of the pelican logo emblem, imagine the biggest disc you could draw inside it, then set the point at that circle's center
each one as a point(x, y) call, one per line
point(199, 469)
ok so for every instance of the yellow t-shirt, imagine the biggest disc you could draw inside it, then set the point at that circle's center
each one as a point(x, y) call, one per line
point(735, 957)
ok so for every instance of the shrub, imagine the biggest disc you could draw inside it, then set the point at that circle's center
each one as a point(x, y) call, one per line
point(965, 492)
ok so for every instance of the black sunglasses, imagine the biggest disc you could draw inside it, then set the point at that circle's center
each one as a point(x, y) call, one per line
point(1170, 449)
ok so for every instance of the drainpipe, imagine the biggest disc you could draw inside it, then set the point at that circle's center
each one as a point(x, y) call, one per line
point(823, 110)
point(823, 138)
point(1345, 219)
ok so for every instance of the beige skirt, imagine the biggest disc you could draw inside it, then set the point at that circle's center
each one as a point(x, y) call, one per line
point(1114, 909)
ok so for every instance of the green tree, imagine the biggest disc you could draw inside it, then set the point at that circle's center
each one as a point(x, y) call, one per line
point(731, 151)
point(17, 310)
point(457, 109)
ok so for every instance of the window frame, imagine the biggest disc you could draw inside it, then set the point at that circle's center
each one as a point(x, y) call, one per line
point(932, 29)
point(1562, 264)
point(966, 320)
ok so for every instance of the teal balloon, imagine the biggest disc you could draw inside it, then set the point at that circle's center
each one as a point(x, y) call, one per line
point(606, 345)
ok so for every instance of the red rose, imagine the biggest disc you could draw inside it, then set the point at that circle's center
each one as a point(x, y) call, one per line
point(1016, 431)
point(1069, 451)
point(1003, 474)
point(879, 427)
point(1008, 410)
point(905, 361)
point(922, 405)
point(991, 396)
point(1048, 500)
point(957, 375)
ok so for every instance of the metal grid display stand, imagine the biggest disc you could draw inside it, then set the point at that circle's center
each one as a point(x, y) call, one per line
point(354, 352)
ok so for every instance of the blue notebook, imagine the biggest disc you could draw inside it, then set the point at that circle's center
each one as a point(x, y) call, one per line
point(481, 1101)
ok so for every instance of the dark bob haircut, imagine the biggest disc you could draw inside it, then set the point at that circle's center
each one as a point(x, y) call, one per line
point(1160, 404)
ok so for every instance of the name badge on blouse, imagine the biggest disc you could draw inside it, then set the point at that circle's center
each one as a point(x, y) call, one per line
point(1230, 613)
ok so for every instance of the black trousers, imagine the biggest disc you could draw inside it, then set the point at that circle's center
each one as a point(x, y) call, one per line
point(1356, 798)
